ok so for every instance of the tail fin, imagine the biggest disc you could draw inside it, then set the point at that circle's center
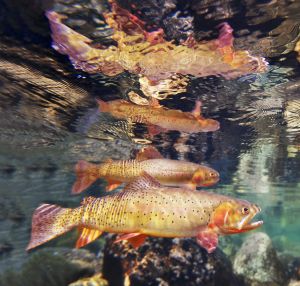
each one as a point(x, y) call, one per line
point(50, 221)
point(86, 175)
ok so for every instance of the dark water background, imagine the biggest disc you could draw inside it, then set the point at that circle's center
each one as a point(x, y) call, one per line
point(49, 119)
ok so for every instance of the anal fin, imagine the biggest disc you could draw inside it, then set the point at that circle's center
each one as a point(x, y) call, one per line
point(87, 235)
point(135, 239)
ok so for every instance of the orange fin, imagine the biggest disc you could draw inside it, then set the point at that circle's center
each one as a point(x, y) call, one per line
point(136, 239)
point(87, 235)
point(191, 186)
point(197, 109)
point(86, 176)
point(154, 130)
point(225, 42)
point(103, 106)
point(153, 102)
point(148, 153)
point(50, 221)
point(111, 185)
point(208, 239)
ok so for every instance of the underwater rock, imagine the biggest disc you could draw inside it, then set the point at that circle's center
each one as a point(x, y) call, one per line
point(162, 261)
point(257, 262)
point(293, 268)
point(95, 280)
point(53, 267)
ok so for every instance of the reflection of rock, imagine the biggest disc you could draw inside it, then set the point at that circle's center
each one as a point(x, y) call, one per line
point(95, 280)
point(257, 262)
point(53, 268)
point(166, 262)
point(164, 88)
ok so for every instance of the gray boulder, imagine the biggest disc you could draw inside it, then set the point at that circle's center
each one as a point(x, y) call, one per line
point(257, 262)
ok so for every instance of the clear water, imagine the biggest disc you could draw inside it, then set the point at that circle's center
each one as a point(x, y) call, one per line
point(48, 121)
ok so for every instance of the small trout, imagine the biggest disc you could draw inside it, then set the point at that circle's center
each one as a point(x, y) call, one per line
point(149, 160)
point(146, 208)
point(160, 117)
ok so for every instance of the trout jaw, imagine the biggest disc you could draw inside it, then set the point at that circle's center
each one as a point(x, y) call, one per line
point(230, 221)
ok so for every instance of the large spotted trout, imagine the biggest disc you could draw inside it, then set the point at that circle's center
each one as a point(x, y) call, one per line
point(159, 118)
point(149, 160)
point(146, 208)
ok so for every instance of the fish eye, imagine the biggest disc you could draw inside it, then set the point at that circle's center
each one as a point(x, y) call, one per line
point(245, 210)
point(211, 174)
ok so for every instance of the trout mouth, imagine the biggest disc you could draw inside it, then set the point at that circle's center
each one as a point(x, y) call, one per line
point(247, 224)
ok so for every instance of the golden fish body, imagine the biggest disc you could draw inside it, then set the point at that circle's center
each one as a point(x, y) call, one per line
point(147, 208)
point(159, 116)
point(166, 171)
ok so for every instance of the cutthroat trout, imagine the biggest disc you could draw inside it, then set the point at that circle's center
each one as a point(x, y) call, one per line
point(146, 208)
point(159, 118)
point(166, 171)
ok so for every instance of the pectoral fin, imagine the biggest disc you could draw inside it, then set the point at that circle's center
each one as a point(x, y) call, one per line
point(111, 185)
point(191, 186)
point(136, 239)
point(87, 235)
point(208, 239)
point(197, 109)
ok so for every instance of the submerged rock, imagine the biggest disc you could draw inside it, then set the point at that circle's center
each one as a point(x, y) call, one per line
point(165, 262)
point(257, 262)
point(53, 267)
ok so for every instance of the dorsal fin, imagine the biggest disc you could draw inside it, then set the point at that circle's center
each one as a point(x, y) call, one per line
point(87, 200)
point(142, 183)
point(147, 153)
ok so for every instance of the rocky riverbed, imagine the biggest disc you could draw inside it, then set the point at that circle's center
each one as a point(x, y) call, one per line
point(159, 262)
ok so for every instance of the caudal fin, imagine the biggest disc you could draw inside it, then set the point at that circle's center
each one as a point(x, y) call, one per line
point(86, 175)
point(50, 221)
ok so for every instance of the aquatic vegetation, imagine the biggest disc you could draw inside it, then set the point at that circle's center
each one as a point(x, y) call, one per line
point(146, 208)
point(166, 171)
point(149, 55)
point(159, 118)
